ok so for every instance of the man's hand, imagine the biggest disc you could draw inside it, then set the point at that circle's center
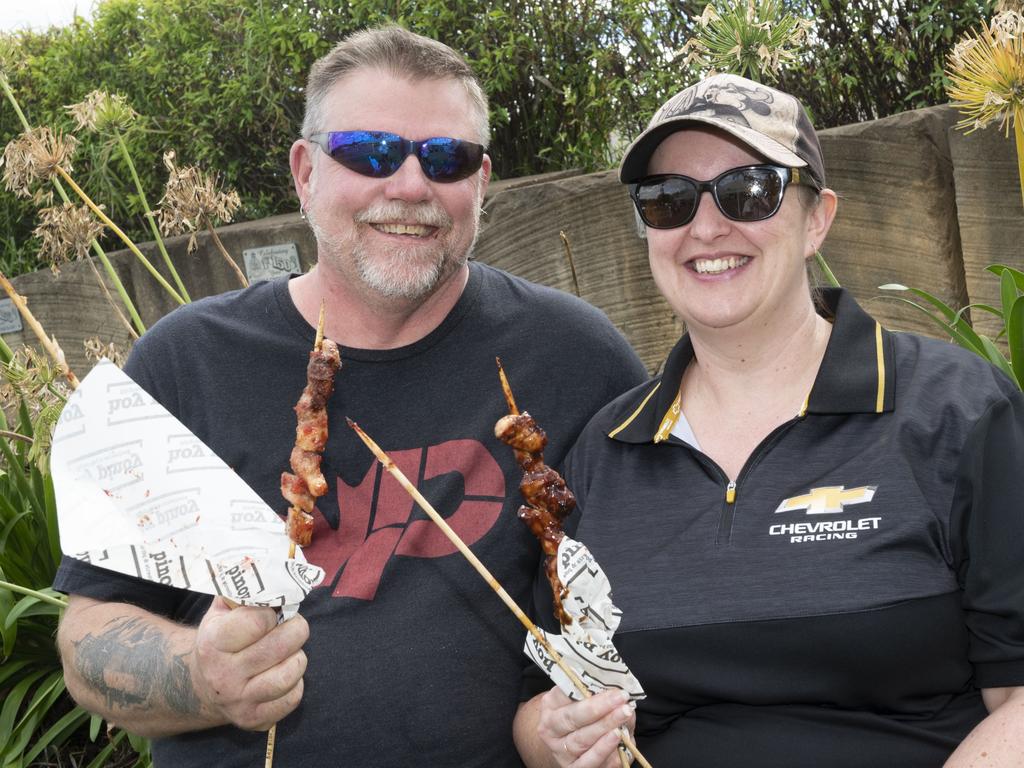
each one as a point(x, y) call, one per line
point(249, 668)
point(156, 677)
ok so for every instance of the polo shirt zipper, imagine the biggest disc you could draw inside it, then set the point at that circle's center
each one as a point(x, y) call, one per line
point(732, 486)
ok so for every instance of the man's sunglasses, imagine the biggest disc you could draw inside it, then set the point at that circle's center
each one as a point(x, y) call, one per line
point(379, 154)
point(751, 193)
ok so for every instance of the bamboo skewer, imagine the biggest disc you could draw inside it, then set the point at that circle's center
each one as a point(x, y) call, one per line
point(454, 538)
point(572, 265)
point(506, 389)
point(268, 760)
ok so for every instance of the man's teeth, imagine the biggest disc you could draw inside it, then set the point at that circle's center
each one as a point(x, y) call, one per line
point(419, 230)
point(714, 266)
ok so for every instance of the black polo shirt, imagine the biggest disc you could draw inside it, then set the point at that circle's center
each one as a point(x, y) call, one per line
point(844, 601)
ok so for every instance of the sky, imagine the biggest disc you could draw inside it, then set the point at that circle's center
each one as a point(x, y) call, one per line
point(40, 14)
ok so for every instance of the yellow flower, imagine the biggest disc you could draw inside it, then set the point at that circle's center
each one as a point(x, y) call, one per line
point(986, 73)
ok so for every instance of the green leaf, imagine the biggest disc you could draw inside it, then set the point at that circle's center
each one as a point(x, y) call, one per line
point(31, 606)
point(1007, 292)
point(1015, 339)
point(107, 751)
point(826, 270)
point(953, 324)
point(58, 733)
point(996, 357)
point(1016, 274)
point(13, 701)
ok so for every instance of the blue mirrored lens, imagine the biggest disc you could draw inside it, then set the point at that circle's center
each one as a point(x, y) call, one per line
point(379, 154)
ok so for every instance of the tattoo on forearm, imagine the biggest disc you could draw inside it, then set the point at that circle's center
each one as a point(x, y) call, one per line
point(129, 664)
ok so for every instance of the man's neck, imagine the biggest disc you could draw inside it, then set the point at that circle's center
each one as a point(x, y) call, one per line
point(356, 320)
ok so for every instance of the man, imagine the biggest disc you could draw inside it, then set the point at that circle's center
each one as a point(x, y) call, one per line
point(404, 656)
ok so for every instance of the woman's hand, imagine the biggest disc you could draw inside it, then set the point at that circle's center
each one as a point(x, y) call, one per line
point(583, 734)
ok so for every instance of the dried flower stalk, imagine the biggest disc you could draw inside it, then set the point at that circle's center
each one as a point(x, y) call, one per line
point(101, 254)
point(192, 201)
point(96, 350)
point(110, 115)
point(66, 232)
point(36, 155)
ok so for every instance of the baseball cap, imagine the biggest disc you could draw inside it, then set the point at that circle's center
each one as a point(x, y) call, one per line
point(772, 123)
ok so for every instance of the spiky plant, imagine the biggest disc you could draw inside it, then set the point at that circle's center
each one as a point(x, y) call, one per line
point(986, 74)
point(752, 38)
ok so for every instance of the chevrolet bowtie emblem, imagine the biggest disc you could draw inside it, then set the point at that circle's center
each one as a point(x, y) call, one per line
point(829, 500)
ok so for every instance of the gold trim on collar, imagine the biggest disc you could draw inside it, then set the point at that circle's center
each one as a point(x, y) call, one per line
point(635, 413)
point(880, 354)
point(670, 419)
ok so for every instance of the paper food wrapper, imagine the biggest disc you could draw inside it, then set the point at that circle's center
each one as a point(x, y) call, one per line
point(586, 644)
point(139, 494)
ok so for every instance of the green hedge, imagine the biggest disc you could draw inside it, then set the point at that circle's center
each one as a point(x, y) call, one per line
point(220, 81)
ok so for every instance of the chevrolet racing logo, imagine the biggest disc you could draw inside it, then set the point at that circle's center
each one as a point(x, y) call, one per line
point(829, 500)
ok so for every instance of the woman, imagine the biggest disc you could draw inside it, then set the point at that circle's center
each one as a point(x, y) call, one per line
point(813, 527)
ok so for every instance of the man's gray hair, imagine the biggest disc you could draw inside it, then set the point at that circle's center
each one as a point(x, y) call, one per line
point(399, 52)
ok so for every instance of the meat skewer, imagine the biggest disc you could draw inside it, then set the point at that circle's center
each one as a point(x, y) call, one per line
point(548, 500)
point(302, 488)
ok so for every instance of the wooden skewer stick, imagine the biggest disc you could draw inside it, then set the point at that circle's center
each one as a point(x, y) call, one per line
point(572, 265)
point(319, 344)
point(454, 538)
point(506, 389)
point(268, 761)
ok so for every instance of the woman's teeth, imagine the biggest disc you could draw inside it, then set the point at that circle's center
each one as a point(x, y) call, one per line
point(716, 266)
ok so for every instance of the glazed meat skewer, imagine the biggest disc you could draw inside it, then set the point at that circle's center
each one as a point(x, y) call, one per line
point(548, 500)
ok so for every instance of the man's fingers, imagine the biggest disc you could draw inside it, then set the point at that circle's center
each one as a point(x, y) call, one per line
point(278, 681)
point(230, 631)
point(260, 717)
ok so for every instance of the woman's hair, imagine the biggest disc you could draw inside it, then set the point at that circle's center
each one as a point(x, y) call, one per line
point(401, 53)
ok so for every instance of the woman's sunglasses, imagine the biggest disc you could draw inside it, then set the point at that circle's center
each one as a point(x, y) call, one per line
point(752, 193)
point(379, 154)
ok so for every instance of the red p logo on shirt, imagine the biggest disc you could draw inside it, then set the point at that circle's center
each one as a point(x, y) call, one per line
point(375, 516)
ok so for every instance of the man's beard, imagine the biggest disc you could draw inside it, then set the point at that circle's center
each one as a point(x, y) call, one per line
point(398, 272)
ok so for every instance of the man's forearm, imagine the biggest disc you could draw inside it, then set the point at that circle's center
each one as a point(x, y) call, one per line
point(131, 667)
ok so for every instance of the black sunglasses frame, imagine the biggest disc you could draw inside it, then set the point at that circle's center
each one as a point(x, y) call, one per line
point(461, 159)
point(786, 175)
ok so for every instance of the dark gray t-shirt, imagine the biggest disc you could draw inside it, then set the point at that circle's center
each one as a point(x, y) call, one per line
point(413, 660)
